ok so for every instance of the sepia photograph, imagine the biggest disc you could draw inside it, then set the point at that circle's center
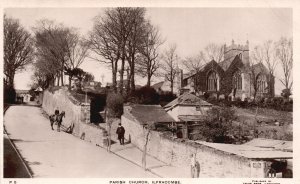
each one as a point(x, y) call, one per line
point(148, 92)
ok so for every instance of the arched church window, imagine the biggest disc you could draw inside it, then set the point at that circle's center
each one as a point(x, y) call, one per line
point(237, 81)
point(261, 83)
point(212, 81)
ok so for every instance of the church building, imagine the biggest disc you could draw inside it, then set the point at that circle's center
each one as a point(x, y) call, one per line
point(233, 77)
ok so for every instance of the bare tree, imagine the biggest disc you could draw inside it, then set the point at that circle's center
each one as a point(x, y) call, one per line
point(284, 54)
point(148, 61)
point(269, 59)
point(214, 52)
point(135, 41)
point(116, 36)
point(18, 49)
point(105, 42)
point(170, 64)
point(256, 65)
point(52, 43)
point(194, 64)
point(77, 51)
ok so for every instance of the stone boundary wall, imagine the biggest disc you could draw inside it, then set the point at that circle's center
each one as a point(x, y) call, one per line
point(176, 152)
point(77, 115)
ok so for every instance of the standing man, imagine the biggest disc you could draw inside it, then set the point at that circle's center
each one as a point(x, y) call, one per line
point(121, 132)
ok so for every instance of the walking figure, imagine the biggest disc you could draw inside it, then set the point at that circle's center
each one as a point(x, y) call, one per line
point(121, 131)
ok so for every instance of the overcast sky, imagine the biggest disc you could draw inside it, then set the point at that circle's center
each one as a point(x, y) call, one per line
point(190, 28)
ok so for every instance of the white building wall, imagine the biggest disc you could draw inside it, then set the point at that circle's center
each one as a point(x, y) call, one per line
point(186, 110)
point(174, 113)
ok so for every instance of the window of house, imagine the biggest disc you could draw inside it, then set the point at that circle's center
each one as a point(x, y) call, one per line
point(198, 108)
point(237, 81)
point(212, 81)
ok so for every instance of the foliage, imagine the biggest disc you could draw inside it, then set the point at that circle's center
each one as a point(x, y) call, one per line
point(9, 94)
point(145, 95)
point(276, 103)
point(166, 97)
point(114, 104)
point(219, 124)
point(286, 93)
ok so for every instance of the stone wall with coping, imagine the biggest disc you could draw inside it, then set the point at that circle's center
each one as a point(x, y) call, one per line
point(77, 115)
point(213, 162)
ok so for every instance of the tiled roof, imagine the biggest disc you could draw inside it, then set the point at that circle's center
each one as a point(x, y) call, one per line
point(187, 99)
point(148, 113)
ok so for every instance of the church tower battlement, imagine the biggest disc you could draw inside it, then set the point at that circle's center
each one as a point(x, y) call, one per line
point(236, 49)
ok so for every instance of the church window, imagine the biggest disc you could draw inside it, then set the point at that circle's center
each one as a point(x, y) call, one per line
point(261, 84)
point(212, 81)
point(237, 81)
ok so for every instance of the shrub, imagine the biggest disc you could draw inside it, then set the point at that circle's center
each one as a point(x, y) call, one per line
point(166, 97)
point(219, 125)
point(9, 94)
point(114, 104)
point(144, 95)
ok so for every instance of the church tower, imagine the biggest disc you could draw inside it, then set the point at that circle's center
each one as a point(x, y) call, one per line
point(241, 50)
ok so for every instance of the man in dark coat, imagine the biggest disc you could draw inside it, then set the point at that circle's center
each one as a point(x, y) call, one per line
point(121, 132)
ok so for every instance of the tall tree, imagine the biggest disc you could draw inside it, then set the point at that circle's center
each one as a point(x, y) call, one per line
point(18, 49)
point(194, 64)
point(256, 66)
point(269, 60)
point(106, 41)
point(135, 41)
point(284, 54)
point(214, 52)
point(148, 60)
point(52, 43)
point(77, 51)
point(170, 59)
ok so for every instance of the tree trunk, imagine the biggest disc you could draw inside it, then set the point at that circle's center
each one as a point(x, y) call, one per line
point(128, 81)
point(70, 80)
point(108, 129)
point(114, 75)
point(172, 86)
point(11, 79)
point(148, 80)
point(121, 85)
point(58, 78)
point(132, 68)
point(144, 158)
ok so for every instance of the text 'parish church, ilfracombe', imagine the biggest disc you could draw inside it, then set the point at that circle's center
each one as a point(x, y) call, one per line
point(234, 77)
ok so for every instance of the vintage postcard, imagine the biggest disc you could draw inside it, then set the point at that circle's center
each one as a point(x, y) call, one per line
point(172, 93)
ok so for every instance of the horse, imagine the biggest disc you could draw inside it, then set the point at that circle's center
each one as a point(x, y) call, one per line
point(57, 118)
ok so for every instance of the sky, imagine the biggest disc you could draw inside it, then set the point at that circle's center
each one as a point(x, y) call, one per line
point(191, 29)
